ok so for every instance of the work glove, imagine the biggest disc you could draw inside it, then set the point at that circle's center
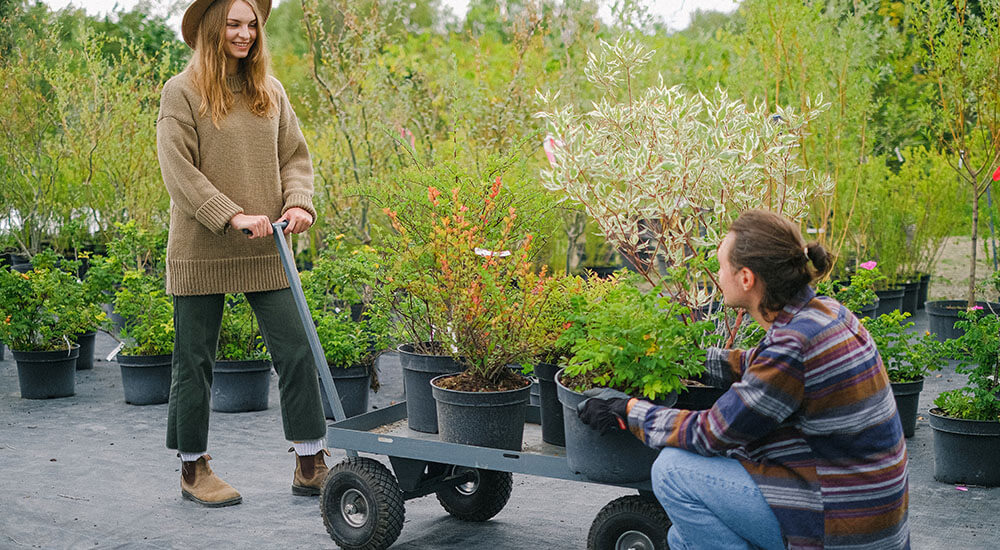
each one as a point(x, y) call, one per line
point(605, 410)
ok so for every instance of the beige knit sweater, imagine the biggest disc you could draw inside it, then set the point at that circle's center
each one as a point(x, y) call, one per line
point(251, 165)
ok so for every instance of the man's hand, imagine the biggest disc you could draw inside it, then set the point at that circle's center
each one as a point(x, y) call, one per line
point(605, 410)
point(298, 220)
point(258, 226)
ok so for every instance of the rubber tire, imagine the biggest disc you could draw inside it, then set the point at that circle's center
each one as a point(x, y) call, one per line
point(379, 487)
point(629, 513)
point(490, 497)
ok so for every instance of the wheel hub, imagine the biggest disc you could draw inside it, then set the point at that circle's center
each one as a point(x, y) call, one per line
point(354, 508)
point(633, 540)
point(469, 487)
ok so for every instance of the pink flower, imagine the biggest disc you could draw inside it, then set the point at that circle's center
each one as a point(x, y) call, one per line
point(977, 307)
point(868, 265)
point(549, 144)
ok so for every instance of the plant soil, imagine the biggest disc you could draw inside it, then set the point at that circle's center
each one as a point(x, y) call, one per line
point(472, 382)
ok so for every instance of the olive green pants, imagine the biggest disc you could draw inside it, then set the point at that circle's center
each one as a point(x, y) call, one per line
point(197, 321)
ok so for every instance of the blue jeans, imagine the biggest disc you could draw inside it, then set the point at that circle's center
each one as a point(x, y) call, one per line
point(713, 503)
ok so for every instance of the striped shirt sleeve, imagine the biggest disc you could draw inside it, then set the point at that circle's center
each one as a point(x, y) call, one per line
point(769, 391)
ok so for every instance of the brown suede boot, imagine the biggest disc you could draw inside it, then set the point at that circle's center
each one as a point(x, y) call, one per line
point(310, 473)
point(200, 484)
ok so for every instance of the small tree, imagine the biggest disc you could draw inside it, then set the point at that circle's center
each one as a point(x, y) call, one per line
point(961, 49)
point(663, 172)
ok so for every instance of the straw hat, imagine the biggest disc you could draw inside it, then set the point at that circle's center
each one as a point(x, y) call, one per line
point(194, 13)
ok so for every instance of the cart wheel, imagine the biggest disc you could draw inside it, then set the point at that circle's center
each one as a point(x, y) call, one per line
point(479, 499)
point(629, 523)
point(362, 505)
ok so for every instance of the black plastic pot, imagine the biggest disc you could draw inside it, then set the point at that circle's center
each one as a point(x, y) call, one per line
point(145, 378)
point(553, 431)
point(868, 310)
point(86, 342)
point(889, 300)
point(117, 321)
point(602, 271)
point(615, 457)
point(907, 396)
point(1, 350)
point(418, 370)
point(482, 419)
point(46, 374)
point(698, 398)
point(942, 315)
point(352, 387)
point(925, 283)
point(966, 451)
point(911, 292)
point(240, 386)
point(534, 398)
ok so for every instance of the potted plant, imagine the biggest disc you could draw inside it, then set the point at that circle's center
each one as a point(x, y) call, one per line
point(907, 361)
point(86, 316)
point(241, 377)
point(628, 162)
point(966, 420)
point(859, 295)
point(482, 291)
point(352, 319)
point(641, 343)
point(552, 351)
point(147, 339)
point(40, 311)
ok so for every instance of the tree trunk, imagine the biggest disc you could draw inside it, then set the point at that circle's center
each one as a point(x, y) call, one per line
point(975, 233)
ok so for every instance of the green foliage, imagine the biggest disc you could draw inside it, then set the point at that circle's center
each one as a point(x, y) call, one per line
point(45, 308)
point(906, 359)
point(860, 292)
point(978, 355)
point(77, 145)
point(148, 313)
point(960, 46)
point(635, 342)
point(352, 315)
point(555, 317)
point(239, 337)
point(653, 166)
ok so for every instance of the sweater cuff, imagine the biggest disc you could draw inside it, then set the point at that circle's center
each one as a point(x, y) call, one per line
point(637, 417)
point(299, 200)
point(216, 212)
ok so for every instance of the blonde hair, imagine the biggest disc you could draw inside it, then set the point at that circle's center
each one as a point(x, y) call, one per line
point(208, 66)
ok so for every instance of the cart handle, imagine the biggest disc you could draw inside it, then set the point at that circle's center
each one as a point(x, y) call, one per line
point(279, 226)
point(305, 317)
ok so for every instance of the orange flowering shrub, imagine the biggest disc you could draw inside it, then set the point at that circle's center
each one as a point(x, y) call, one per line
point(470, 284)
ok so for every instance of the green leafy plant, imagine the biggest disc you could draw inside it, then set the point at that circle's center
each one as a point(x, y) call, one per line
point(239, 337)
point(639, 343)
point(352, 317)
point(978, 355)
point(859, 292)
point(906, 358)
point(149, 313)
point(45, 308)
point(557, 314)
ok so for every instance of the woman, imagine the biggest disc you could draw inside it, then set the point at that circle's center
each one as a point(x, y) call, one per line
point(805, 449)
point(233, 158)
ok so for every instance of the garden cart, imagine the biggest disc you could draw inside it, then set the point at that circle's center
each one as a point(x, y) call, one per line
point(362, 500)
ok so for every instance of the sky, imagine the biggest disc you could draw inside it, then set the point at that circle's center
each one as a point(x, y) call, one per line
point(677, 13)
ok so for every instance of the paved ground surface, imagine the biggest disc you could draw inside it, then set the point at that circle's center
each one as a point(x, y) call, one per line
point(91, 471)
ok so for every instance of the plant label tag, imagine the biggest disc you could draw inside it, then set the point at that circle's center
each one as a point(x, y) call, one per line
point(488, 253)
point(114, 352)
